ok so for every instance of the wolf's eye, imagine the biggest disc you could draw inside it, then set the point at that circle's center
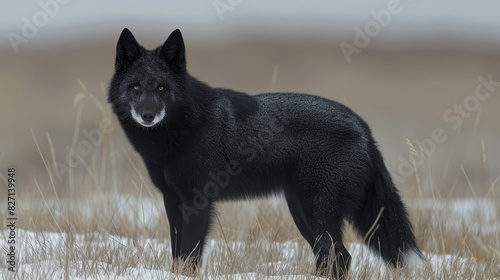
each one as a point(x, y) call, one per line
point(161, 88)
point(136, 88)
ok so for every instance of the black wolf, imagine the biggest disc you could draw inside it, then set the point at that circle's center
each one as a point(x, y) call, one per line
point(202, 145)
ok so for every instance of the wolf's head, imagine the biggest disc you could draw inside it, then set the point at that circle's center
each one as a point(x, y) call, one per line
point(147, 83)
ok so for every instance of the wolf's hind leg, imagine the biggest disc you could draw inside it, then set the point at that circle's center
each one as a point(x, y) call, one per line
point(325, 202)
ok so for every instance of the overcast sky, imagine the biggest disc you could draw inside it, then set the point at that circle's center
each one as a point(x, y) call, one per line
point(469, 21)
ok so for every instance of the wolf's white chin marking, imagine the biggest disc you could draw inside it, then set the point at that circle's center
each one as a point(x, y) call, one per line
point(139, 120)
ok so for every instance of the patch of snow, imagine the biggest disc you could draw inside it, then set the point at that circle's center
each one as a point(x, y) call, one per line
point(471, 214)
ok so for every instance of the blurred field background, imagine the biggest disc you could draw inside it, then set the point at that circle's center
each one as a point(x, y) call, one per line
point(428, 58)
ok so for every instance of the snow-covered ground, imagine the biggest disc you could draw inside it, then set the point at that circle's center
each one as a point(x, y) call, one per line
point(478, 215)
point(38, 255)
point(105, 256)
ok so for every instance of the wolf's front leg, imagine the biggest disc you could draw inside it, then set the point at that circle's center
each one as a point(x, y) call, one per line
point(173, 205)
point(194, 231)
point(190, 239)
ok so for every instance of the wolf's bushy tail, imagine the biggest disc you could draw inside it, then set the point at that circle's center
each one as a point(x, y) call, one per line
point(383, 219)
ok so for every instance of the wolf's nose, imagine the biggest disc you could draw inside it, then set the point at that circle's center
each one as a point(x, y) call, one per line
point(147, 116)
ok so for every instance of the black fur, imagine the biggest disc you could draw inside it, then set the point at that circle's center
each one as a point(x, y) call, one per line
point(216, 144)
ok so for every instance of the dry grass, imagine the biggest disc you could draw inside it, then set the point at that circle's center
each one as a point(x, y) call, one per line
point(110, 221)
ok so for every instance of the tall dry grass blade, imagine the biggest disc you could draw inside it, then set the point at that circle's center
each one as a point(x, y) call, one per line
point(468, 181)
point(47, 168)
point(50, 210)
point(89, 171)
point(494, 183)
point(488, 250)
point(53, 155)
point(87, 94)
point(113, 154)
point(224, 237)
point(478, 117)
point(76, 131)
point(82, 85)
point(483, 152)
point(371, 231)
point(414, 151)
point(417, 178)
point(129, 159)
point(275, 77)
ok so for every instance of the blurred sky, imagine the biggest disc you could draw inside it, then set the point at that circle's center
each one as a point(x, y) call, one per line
point(463, 22)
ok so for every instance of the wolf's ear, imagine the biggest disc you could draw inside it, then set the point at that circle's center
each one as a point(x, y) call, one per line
point(127, 50)
point(173, 52)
